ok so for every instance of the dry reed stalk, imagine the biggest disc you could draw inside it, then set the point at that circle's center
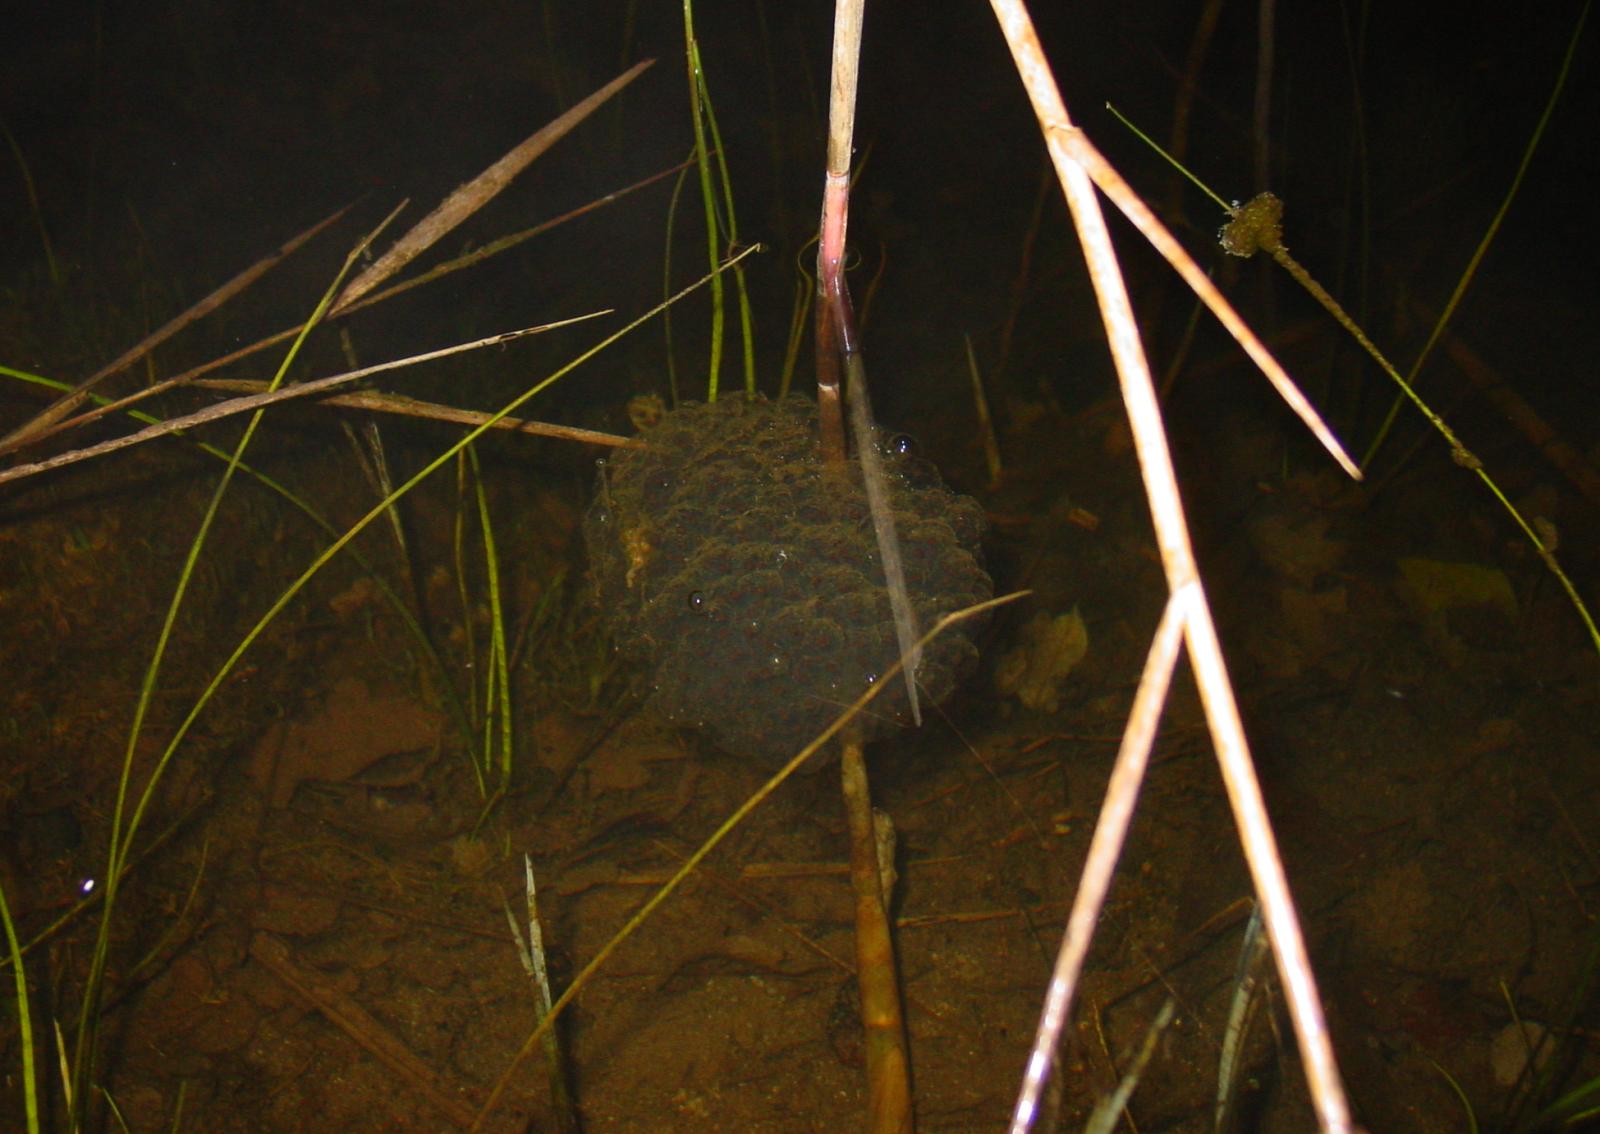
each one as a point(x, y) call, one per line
point(888, 1067)
point(1105, 847)
point(403, 406)
point(835, 331)
point(258, 401)
point(1076, 148)
point(888, 1070)
point(456, 208)
point(830, 331)
point(1073, 158)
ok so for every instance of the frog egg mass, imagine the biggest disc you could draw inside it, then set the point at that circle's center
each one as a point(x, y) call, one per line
point(742, 577)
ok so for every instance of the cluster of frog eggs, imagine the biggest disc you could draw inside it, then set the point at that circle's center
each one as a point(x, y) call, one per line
point(743, 578)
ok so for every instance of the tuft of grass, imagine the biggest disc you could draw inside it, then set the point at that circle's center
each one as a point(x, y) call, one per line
point(1572, 1110)
point(722, 225)
point(133, 799)
point(127, 820)
point(493, 757)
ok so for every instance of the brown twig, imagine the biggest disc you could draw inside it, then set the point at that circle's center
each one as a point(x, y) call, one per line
point(357, 1023)
point(413, 407)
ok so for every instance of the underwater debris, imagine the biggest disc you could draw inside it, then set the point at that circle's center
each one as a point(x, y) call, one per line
point(1047, 651)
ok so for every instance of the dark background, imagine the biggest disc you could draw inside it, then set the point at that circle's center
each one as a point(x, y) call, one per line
point(172, 144)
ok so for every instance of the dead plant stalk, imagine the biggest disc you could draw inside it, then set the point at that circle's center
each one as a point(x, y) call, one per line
point(882, 1020)
point(455, 209)
point(472, 196)
point(1187, 608)
point(271, 397)
point(193, 376)
point(838, 342)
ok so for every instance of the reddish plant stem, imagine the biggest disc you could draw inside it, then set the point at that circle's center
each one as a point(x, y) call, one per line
point(835, 321)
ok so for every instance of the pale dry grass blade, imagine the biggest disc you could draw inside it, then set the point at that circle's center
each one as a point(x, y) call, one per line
point(1105, 847)
point(258, 401)
point(482, 189)
point(466, 260)
point(1082, 151)
point(402, 406)
point(1065, 142)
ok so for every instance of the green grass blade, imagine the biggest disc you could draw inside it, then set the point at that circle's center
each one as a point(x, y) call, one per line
point(124, 830)
point(708, 193)
point(408, 620)
point(1471, 271)
point(377, 511)
point(497, 749)
point(30, 1083)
